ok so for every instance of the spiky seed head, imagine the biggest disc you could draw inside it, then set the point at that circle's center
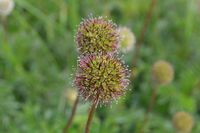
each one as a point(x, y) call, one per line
point(71, 95)
point(97, 35)
point(162, 72)
point(128, 39)
point(6, 7)
point(183, 122)
point(101, 77)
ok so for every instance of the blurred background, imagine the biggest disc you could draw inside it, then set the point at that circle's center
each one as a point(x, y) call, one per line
point(38, 58)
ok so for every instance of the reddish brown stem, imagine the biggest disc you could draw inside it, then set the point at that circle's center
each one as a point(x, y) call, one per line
point(69, 122)
point(153, 100)
point(143, 31)
point(90, 116)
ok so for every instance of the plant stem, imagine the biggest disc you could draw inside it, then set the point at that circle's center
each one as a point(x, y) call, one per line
point(69, 122)
point(153, 100)
point(4, 24)
point(90, 116)
point(150, 108)
point(143, 31)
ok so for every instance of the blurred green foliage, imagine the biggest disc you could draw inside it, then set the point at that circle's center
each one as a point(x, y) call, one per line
point(38, 55)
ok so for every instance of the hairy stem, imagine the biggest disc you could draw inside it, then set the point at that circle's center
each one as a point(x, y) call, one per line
point(143, 31)
point(90, 116)
point(69, 122)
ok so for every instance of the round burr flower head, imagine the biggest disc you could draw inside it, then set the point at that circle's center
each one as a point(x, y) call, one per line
point(97, 35)
point(183, 122)
point(128, 39)
point(162, 72)
point(6, 7)
point(101, 78)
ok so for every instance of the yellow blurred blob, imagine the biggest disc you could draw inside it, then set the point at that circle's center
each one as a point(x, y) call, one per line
point(128, 39)
point(6, 7)
point(162, 72)
point(183, 122)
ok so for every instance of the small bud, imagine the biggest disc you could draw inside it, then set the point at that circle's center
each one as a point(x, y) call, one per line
point(6, 7)
point(162, 72)
point(183, 122)
point(128, 39)
point(101, 77)
point(96, 35)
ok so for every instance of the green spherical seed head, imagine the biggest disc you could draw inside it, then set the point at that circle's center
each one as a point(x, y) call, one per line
point(96, 35)
point(101, 77)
